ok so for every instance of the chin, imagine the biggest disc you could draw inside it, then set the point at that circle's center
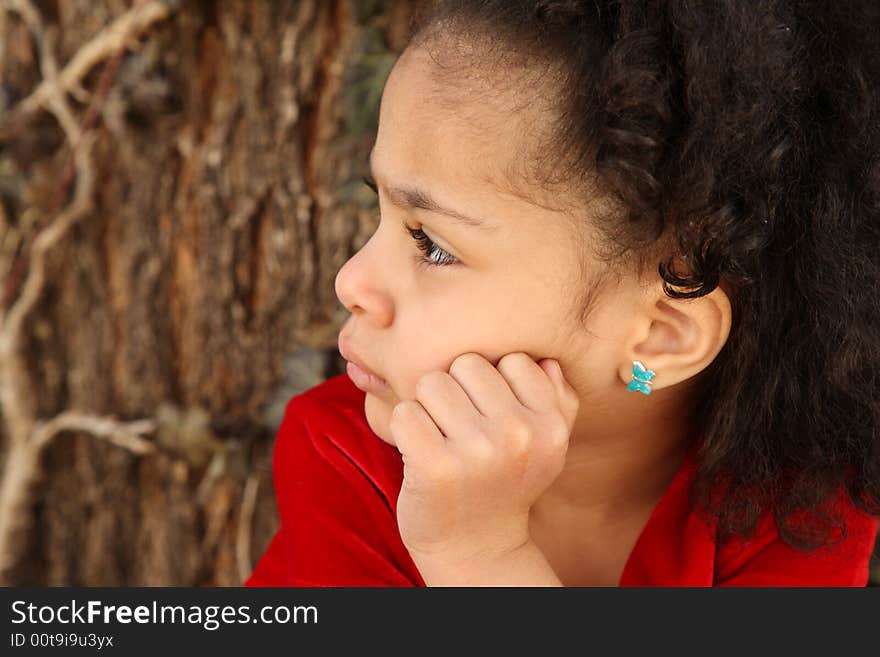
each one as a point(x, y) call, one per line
point(378, 413)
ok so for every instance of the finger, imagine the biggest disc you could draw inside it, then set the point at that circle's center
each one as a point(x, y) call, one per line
point(482, 383)
point(528, 381)
point(448, 404)
point(416, 436)
point(568, 397)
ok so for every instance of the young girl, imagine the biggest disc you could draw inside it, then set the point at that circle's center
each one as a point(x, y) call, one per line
point(618, 324)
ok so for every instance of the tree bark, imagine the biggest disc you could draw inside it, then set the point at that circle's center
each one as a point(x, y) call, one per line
point(198, 290)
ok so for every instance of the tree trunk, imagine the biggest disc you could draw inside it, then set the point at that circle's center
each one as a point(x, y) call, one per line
point(197, 290)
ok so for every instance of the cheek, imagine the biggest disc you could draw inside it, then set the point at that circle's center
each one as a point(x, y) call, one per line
point(434, 327)
point(422, 347)
point(435, 348)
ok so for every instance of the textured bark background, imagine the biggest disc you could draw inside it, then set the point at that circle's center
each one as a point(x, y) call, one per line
point(197, 290)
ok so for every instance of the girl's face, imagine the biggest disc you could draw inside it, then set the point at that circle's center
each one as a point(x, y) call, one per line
point(514, 276)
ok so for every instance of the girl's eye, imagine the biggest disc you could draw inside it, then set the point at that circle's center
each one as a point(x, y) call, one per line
point(431, 254)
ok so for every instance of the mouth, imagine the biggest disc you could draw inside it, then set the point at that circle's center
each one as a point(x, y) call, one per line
point(366, 380)
point(363, 377)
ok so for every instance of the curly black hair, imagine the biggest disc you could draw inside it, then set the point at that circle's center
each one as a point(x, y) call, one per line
point(741, 139)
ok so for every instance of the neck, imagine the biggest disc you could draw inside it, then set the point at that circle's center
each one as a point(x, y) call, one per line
point(622, 455)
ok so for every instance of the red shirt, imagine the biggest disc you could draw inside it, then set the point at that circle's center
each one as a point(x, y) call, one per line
point(336, 487)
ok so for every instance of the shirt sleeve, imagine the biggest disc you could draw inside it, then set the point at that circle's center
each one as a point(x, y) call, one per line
point(336, 526)
point(766, 560)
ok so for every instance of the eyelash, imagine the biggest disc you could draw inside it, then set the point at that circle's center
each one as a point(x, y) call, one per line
point(424, 243)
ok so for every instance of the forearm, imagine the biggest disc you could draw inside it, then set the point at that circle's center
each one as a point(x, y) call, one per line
point(524, 566)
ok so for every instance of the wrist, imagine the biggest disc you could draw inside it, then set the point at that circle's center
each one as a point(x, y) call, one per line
point(519, 564)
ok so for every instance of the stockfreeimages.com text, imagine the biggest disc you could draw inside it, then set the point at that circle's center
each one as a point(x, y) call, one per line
point(211, 616)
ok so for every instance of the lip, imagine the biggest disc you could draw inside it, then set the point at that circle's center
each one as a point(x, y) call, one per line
point(362, 376)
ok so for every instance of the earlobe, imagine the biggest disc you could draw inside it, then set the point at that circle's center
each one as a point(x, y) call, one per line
point(679, 338)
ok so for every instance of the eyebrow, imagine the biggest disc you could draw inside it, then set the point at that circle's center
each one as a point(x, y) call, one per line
point(421, 199)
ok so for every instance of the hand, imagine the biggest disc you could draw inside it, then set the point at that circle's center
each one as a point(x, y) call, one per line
point(479, 446)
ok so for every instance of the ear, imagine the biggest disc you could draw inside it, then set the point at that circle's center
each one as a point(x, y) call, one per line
point(678, 338)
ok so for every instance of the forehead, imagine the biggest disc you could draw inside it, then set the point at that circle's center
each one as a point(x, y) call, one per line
point(472, 132)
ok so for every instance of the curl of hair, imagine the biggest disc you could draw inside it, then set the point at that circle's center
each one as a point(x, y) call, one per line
point(748, 135)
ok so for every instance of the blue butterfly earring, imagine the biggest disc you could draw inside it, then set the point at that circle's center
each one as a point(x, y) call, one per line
point(641, 381)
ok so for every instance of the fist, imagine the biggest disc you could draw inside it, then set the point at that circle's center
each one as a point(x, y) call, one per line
point(480, 444)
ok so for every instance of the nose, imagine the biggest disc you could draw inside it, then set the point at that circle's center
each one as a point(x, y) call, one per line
point(360, 286)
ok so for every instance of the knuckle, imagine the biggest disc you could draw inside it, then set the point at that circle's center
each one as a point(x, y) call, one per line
point(465, 361)
point(518, 435)
point(515, 363)
point(428, 382)
point(481, 432)
point(573, 401)
point(399, 413)
point(421, 387)
point(558, 433)
point(508, 359)
point(514, 355)
point(555, 464)
point(482, 452)
point(515, 360)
